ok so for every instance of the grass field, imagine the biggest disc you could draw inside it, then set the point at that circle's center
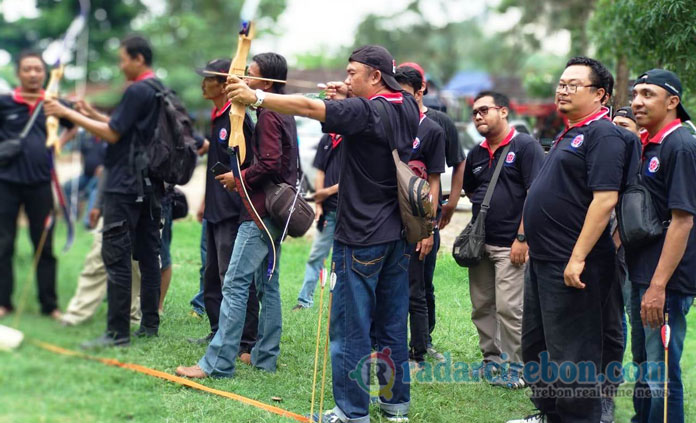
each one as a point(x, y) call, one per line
point(39, 386)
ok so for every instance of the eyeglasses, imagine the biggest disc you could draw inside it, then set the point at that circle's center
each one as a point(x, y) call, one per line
point(572, 88)
point(483, 110)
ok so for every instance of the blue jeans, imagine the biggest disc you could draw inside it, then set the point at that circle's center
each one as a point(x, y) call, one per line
point(86, 189)
point(647, 345)
point(249, 259)
point(371, 286)
point(321, 247)
point(197, 301)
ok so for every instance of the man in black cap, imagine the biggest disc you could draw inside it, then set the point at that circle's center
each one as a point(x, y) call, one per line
point(222, 210)
point(370, 258)
point(625, 118)
point(662, 271)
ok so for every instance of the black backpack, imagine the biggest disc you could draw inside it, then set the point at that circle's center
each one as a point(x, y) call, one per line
point(171, 154)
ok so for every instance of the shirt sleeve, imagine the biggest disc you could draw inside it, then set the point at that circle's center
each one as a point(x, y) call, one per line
point(469, 184)
point(532, 158)
point(350, 117)
point(681, 177)
point(128, 111)
point(604, 160)
point(321, 155)
point(435, 155)
point(453, 150)
point(65, 123)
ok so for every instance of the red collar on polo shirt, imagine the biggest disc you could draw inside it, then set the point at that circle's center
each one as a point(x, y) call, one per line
point(145, 75)
point(17, 97)
point(216, 113)
point(422, 116)
point(603, 113)
point(505, 142)
point(396, 98)
point(646, 139)
point(335, 140)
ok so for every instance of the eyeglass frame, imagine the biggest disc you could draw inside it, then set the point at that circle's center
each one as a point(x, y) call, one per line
point(567, 87)
point(481, 109)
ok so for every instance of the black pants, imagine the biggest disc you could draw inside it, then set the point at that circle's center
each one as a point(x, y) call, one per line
point(221, 237)
point(430, 262)
point(565, 325)
point(131, 229)
point(38, 203)
point(417, 307)
point(613, 344)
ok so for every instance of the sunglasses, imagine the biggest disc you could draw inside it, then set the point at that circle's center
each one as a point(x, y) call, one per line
point(483, 110)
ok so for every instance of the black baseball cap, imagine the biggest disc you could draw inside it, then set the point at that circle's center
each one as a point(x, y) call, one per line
point(379, 58)
point(215, 65)
point(670, 82)
point(626, 112)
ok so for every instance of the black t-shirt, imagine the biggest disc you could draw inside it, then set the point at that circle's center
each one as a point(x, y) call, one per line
point(591, 156)
point(453, 150)
point(520, 168)
point(669, 172)
point(368, 207)
point(93, 152)
point(221, 204)
point(33, 165)
point(135, 119)
point(328, 161)
point(429, 146)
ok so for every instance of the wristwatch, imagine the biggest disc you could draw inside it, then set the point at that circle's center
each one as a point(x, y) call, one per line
point(260, 95)
point(521, 237)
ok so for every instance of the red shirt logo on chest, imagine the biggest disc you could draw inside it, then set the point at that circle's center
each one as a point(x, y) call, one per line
point(223, 134)
point(577, 141)
point(510, 158)
point(654, 165)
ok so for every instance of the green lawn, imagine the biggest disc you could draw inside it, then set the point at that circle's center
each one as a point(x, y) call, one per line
point(39, 386)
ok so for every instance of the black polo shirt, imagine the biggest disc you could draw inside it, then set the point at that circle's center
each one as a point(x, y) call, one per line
point(669, 172)
point(590, 156)
point(328, 161)
point(520, 167)
point(33, 165)
point(221, 204)
point(368, 207)
point(93, 151)
point(453, 150)
point(429, 146)
point(135, 119)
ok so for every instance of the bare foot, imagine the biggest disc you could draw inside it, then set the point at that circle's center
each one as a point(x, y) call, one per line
point(56, 315)
point(4, 312)
point(194, 372)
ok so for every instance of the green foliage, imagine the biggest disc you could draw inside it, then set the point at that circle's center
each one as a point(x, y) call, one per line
point(540, 74)
point(652, 34)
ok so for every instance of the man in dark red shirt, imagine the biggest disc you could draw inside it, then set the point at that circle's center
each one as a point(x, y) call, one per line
point(274, 160)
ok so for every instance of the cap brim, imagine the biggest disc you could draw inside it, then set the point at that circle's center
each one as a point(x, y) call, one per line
point(201, 72)
point(682, 114)
point(390, 81)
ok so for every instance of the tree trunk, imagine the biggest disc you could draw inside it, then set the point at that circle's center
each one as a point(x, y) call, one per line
point(621, 83)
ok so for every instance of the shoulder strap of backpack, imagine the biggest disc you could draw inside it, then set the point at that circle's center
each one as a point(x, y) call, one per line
point(494, 180)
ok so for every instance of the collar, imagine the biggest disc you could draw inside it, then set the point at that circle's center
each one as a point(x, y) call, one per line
point(335, 140)
point(422, 117)
point(216, 113)
point(505, 142)
point(645, 138)
point(145, 75)
point(603, 113)
point(17, 97)
point(396, 98)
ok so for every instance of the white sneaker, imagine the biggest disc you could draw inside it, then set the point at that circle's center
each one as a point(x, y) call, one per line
point(534, 418)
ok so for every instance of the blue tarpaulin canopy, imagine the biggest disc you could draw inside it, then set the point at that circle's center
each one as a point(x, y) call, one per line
point(468, 83)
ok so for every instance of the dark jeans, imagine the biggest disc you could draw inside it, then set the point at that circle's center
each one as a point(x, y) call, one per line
point(38, 203)
point(565, 325)
point(429, 273)
point(371, 287)
point(417, 307)
point(131, 229)
point(646, 346)
point(197, 301)
point(221, 237)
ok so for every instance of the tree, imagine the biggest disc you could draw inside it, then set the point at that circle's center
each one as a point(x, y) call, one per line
point(555, 15)
point(644, 34)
